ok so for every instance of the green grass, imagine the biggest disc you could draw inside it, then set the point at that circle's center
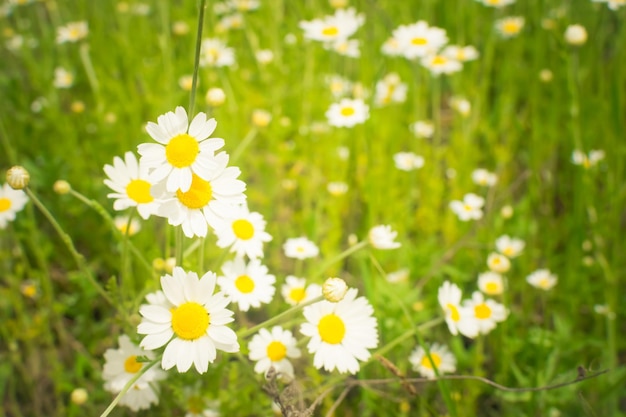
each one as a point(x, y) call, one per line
point(127, 71)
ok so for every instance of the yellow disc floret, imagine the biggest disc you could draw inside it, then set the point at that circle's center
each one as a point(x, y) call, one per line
point(182, 150)
point(331, 329)
point(190, 320)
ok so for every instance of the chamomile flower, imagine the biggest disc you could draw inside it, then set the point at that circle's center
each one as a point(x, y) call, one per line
point(484, 178)
point(300, 248)
point(341, 333)
point(244, 233)
point(132, 185)
point(390, 90)
point(487, 312)
point(461, 105)
point(215, 53)
point(62, 78)
point(194, 327)
point(343, 24)
point(543, 279)
point(248, 285)
point(273, 349)
point(440, 356)
point(295, 290)
point(460, 53)
point(391, 47)
point(587, 160)
point(497, 3)
point(458, 318)
point(183, 149)
point(408, 161)
point(207, 202)
point(121, 366)
point(491, 283)
point(345, 47)
point(383, 237)
point(347, 113)
point(510, 26)
point(422, 128)
point(509, 246)
point(575, 35)
point(470, 208)
point(337, 188)
point(438, 64)
point(498, 263)
point(11, 202)
point(418, 40)
point(127, 228)
point(72, 32)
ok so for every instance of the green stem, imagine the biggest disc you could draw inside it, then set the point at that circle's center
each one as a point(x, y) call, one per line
point(245, 142)
point(278, 318)
point(196, 65)
point(341, 256)
point(78, 258)
point(128, 385)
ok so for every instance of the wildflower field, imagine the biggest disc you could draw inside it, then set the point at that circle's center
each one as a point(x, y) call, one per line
point(312, 208)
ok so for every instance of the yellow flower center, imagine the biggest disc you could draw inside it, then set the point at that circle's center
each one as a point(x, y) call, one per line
point(492, 288)
point(139, 191)
point(330, 31)
point(439, 60)
point(5, 204)
point(544, 283)
point(181, 151)
point(347, 111)
point(436, 360)
point(508, 251)
point(243, 229)
point(244, 284)
point(131, 365)
point(454, 312)
point(297, 294)
point(199, 193)
point(331, 329)
point(482, 311)
point(419, 41)
point(510, 28)
point(276, 351)
point(190, 320)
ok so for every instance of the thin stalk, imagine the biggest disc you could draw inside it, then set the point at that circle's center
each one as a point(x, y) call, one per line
point(128, 385)
point(196, 65)
point(245, 142)
point(342, 255)
point(67, 240)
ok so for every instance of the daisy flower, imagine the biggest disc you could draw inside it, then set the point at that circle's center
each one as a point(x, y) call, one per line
point(491, 283)
point(194, 327)
point(300, 248)
point(215, 53)
point(207, 202)
point(458, 318)
point(248, 285)
point(468, 209)
point(419, 39)
point(543, 279)
point(132, 185)
point(341, 333)
point(382, 237)
point(11, 201)
point(72, 32)
point(183, 149)
point(440, 356)
point(343, 24)
point(587, 161)
point(510, 26)
point(401, 275)
point(484, 178)
point(391, 47)
point(129, 229)
point(422, 128)
point(461, 105)
point(273, 349)
point(390, 90)
point(244, 233)
point(295, 290)
point(498, 263)
point(347, 113)
point(509, 246)
point(345, 47)
point(460, 53)
point(337, 188)
point(408, 161)
point(62, 78)
point(439, 64)
point(497, 3)
point(487, 312)
point(575, 35)
point(121, 366)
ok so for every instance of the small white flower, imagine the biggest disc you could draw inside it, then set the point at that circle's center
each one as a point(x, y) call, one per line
point(509, 246)
point(408, 161)
point(440, 356)
point(510, 26)
point(468, 209)
point(296, 291)
point(72, 32)
point(458, 318)
point(343, 24)
point(438, 64)
point(347, 113)
point(11, 202)
point(244, 232)
point(422, 128)
point(62, 78)
point(300, 248)
point(460, 53)
point(248, 285)
point(543, 279)
point(484, 178)
point(273, 349)
point(498, 263)
point(419, 39)
point(491, 283)
point(383, 237)
point(215, 53)
point(390, 90)
point(487, 312)
point(576, 35)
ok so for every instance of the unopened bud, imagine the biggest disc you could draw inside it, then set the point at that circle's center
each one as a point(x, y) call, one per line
point(61, 187)
point(334, 289)
point(18, 177)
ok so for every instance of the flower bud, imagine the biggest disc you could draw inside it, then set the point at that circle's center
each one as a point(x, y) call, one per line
point(79, 396)
point(576, 35)
point(61, 187)
point(334, 289)
point(18, 177)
